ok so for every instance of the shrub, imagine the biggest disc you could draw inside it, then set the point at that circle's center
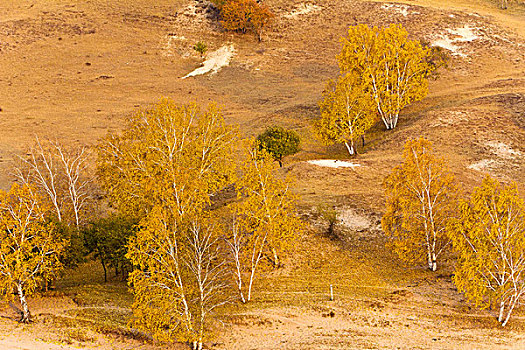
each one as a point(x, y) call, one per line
point(107, 239)
point(201, 48)
point(246, 15)
point(279, 142)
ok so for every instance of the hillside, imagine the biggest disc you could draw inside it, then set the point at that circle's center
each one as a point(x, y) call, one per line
point(74, 69)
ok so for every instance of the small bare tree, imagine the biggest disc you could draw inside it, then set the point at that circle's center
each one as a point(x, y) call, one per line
point(74, 168)
point(61, 175)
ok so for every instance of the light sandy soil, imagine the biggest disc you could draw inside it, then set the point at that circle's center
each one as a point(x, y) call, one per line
point(214, 62)
point(333, 163)
point(73, 70)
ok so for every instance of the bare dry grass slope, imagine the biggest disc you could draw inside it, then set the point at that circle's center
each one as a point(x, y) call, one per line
point(73, 70)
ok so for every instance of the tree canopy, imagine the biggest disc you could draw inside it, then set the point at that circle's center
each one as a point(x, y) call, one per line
point(279, 142)
point(29, 246)
point(347, 111)
point(421, 198)
point(489, 240)
point(394, 69)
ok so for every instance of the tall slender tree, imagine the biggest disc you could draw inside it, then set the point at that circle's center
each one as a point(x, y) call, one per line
point(266, 222)
point(489, 240)
point(421, 200)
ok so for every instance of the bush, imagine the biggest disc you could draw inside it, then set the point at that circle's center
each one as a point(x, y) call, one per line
point(246, 15)
point(201, 48)
point(107, 239)
point(279, 142)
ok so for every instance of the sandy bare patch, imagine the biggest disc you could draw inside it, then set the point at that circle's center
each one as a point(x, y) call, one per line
point(450, 118)
point(215, 61)
point(403, 10)
point(484, 165)
point(302, 9)
point(503, 150)
point(354, 221)
point(173, 46)
point(333, 163)
point(455, 37)
point(23, 344)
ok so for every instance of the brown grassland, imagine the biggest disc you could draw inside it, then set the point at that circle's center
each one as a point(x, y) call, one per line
point(74, 69)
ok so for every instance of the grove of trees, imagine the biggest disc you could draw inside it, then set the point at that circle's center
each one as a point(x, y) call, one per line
point(165, 170)
point(244, 16)
point(195, 212)
point(426, 216)
point(381, 71)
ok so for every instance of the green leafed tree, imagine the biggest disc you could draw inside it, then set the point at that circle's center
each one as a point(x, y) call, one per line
point(107, 239)
point(279, 142)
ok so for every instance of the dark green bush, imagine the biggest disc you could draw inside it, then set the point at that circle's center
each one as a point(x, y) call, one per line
point(279, 142)
point(107, 239)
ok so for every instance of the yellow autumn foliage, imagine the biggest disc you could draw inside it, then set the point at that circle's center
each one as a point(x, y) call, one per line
point(167, 155)
point(265, 214)
point(29, 245)
point(489, 240)
point(394, 68)
point(421, 198)
point(347, 111)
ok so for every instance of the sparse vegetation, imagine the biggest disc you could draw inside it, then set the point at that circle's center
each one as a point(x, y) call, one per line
point(201, 48)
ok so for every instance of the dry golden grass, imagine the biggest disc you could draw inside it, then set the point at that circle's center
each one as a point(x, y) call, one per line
point(73, 70)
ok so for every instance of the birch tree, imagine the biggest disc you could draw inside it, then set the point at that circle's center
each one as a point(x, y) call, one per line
point(266, 221)
point(489, 240)
point(347, 111)
point(60, 174)
point(180, 278)
point(29, 246)
point(421, 197)
point(394, 68)
point(165, 169)
point(169, 154)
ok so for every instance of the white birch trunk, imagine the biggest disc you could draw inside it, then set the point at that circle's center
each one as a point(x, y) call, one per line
point(350, 148)
point(26, 316)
